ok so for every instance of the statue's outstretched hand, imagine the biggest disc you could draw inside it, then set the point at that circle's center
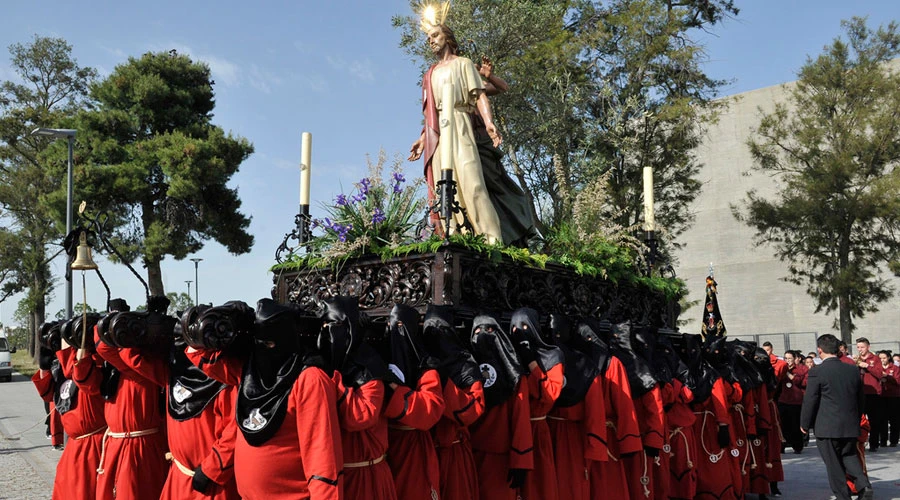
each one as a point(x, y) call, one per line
point(494, 134)
point(486, 67)
point(415, 152)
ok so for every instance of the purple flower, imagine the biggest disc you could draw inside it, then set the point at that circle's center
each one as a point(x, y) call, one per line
point(364, 186)
point(315, 223)
point(398, 179)
point(378, 217)
point(341, 200)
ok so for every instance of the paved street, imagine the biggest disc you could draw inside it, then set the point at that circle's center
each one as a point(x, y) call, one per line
point(28, 462)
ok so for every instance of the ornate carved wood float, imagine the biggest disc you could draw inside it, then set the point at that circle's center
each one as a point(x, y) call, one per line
point(471, 282)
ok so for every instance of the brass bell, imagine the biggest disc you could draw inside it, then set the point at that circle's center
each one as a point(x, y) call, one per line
point(83, 259)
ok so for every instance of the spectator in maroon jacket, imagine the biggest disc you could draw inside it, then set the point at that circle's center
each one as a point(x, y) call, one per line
point(870, 371)
point(890, 397)
point(790, 400)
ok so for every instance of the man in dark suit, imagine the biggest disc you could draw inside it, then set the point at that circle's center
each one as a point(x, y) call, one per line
point(832, 406)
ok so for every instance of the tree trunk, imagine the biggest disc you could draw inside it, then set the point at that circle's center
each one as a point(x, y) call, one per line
point(845, 320)
point(154, 277)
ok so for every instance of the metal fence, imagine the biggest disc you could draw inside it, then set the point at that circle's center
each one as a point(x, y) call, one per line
point(805, 342)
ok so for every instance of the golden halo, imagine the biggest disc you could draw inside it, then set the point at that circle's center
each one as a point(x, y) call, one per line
point(433, 14)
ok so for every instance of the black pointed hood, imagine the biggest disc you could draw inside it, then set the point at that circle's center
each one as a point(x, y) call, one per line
point(525, 332)
point(497, 360)
point(341, 332)
point(640, 375)
point(589, 339)
point(408, 352)
point(580, 369)
point(698, 375)
point(270, 372)
point(666, 363)
point(456, 362)
point(746, 372)
point(219, 327)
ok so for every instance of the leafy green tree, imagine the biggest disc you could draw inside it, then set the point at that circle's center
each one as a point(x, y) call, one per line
point(595, 88)
point(834, 147)
point(158, 165)
point(179, 302)
point(77, 309)
point(51, 88)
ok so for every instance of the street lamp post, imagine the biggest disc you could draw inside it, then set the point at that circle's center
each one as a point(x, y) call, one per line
point(59, 133)
point(189, 288)
point(196, 261)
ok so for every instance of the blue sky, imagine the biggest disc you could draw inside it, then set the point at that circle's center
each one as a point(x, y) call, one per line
point(333, 68)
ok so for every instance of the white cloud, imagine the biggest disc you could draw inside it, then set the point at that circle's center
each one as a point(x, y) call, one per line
point(361, 70)
point(227, 72)
point(263, 80)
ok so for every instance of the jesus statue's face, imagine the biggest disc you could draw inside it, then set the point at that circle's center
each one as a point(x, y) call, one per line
point(437, 40)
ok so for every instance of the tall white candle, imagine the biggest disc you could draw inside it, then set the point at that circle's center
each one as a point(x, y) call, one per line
point(649, 221)
point(305, 166)
point(446, 119)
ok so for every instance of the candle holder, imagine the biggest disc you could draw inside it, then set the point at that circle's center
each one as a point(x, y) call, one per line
point(301, 233)
point(449, 205)
point(653, 256)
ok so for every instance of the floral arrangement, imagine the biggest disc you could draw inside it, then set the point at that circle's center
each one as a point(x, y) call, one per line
point(378, 214)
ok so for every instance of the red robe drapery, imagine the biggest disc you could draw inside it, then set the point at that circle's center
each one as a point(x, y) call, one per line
point(462, 407)
point(714, 465)
point(76, 472)
point(364, 438)
point(303, 460)
point(543, 391)
point(134, 459)
point(205, 441)
point(639, 466)
point(413, 459)
point(683, 442)
point(501, 441)
point(624, 435)
point(580, 436)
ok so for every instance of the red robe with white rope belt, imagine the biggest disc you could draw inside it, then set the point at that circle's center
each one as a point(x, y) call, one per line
point(639, 466)
point(580, 436)
point(738, 431)
point(543, 391)
point(303, 460)
point(364, 438)
point(624, 435)
point(660, 465)
point(714, 467)
point(683, 441)
point(775, 473)
point(205, 441)
point(134, 462)
point(759, 476)
point(76, 472)
point(501, 440)
point(411, 414)
point(462, 407)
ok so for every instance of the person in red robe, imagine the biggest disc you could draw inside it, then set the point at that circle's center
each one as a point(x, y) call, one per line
point(463, 393)
point(84, 421)
point(501, 440)
point(713, 425)
point(360, 406)
point(200, 423)
point(623, 430)
point(791, 398)
point(289, 443)
point(578, 419)
point(545, 383)
point(80, 408)
point(776, 437)
point(415, 406)
point(133, 464)
point(870, 371)
point(672, 472)
point(48, 383)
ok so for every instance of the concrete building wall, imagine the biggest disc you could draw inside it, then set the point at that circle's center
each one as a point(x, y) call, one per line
point(753, 298)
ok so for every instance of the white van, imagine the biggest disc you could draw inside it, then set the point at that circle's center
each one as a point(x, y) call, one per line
point(5, 360)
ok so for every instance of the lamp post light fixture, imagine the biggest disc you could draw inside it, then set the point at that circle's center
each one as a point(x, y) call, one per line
point(189, 288)
point(196, 261)
point(59, 133)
